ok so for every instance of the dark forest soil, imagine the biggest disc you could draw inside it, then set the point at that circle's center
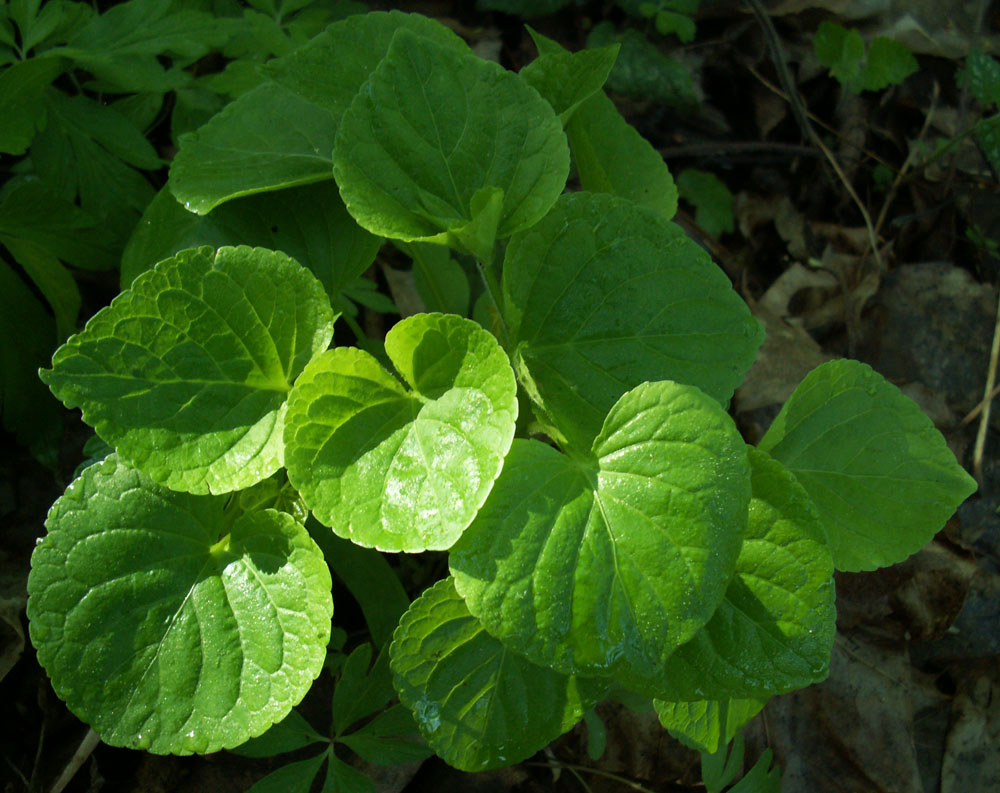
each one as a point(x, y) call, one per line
point(912, 704)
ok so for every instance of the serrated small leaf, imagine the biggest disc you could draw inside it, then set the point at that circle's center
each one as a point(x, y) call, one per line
point(880, 474)
point(267, 139)
point(478, 704)
point(706, 725)
point(437, 137)
point(602, 295)
point(399, 469)
point(604, 568)
point(842, 51)
point(773, 631)
point(186, 373)
point(159, 634)
point(889, 62)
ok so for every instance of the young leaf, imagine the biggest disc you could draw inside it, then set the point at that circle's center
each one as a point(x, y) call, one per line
point(566, 79)
point(331, 68)
point(478, 704)
point(610, 156)
point(889, 63)
point(267, 139)
point(773, 631)
point(880, 474)
point(707, 725)
point(309, 223)
point(439, 141)
point(399, 469)
point(712, 200)
point(159, 634)
point(186, 373)
point(602, 295)
point(605, 567)
point(842, 51)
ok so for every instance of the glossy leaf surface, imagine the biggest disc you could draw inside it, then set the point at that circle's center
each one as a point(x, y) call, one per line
point(186, 373)
point(773, 631)
point(448, 147)
point(605, 567)
point(159, 634)
point(880, 474)
point(479, 705)
point(602, 295)
point(267, 139)
point(403, 468)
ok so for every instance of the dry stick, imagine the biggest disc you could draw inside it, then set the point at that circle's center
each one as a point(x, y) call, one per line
point(910, 157)
point(83, 751)
point(595, 772)
point(801, 117)
point(984, 421)
point(979, 408)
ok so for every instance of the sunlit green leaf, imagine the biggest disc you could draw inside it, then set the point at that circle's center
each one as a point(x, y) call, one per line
point(159, 634)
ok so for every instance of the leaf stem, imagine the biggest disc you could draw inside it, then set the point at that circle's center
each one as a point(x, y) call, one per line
point(492, 284)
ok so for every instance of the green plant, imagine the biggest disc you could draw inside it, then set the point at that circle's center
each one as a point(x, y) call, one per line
point(626, 540)
point(88, 101)
point(885, 62)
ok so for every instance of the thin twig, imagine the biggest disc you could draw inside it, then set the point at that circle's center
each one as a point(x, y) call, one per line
point(972, 414)
point(598, 772)
point(984, 421)
point(802, 118)
point(83, 751)
point(739, 147)
point(910, 157)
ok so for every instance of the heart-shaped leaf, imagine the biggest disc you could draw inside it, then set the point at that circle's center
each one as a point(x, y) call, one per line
point(478, 704)
point(602, 295)
point(439, 141)
point(186, 373)
point(160, 634)
point(605, 566)
point(773, 631)
point(880, 474)
point(400, 469)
